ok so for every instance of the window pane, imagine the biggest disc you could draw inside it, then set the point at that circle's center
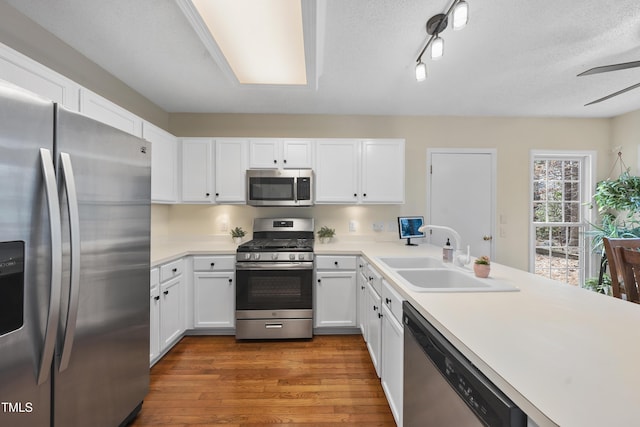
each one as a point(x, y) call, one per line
point(539, 190)
point(554, 212)
point(542, 236)
point(572, 170)
point(554, 169)
point(539, 212)
point(539, 169)
point(554, 191)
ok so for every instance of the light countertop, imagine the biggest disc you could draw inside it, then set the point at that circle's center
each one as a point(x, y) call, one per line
point(565, 355)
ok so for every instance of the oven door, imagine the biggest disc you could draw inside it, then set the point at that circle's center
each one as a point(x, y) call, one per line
point(274, 286)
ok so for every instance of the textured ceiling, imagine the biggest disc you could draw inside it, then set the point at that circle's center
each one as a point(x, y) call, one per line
point(515, 57)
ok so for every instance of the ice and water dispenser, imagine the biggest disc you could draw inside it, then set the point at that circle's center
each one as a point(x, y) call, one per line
point(11, 286)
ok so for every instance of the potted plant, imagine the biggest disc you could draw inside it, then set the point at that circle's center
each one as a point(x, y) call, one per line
point(618, 203)
point(237, 233)
point(326, 234)
point(482, 266)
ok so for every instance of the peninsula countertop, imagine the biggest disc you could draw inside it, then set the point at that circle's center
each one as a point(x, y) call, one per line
point(565, 355)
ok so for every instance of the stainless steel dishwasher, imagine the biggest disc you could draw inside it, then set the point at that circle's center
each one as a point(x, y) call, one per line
point(442, 388)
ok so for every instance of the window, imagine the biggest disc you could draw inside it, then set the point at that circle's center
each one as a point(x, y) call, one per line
point(561, 184)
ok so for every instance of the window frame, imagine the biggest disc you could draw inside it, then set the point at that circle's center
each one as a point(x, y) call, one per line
point(588, 161)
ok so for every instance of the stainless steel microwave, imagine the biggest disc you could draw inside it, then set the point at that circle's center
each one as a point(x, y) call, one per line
point(280, 187)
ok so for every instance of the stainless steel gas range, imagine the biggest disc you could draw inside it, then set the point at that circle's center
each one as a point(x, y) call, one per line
point(274, 277)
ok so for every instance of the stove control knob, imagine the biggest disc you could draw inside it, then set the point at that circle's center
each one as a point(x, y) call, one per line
point(256, 256)
point(247, 256)
point(292, 257)
point(274, 256)
point(301, 257)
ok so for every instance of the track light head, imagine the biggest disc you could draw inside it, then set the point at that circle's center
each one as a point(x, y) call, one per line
point(421, 71)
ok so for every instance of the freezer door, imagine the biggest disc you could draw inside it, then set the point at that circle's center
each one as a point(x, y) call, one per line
point(102, 360)
point(26, 126)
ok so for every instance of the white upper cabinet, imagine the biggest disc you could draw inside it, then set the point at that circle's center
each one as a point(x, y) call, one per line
point(197, 170)
point(337, 171)
point(355, 171)
point(382, 171)
point(105, 111)
point(28, 74)
point(164, 163)
point(272, 153)
point(230, 168)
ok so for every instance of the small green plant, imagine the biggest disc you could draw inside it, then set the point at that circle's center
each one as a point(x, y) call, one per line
point(238, 232)
point(593, 284)
point(326, 232)
point(483, 260)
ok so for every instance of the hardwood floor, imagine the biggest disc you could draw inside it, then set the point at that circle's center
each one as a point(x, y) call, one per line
point(214, 380)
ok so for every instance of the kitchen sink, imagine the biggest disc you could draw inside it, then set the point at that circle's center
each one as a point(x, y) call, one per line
point(412, 262)
point(448, 280)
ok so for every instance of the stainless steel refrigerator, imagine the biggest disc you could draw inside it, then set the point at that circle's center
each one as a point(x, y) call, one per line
point(74, 267)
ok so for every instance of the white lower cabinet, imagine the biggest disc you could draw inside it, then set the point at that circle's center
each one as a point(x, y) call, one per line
point(167, 307)
point(214, 291)
point(171, 311)
point(154, 315)
point(361, 289)
point(392, 350)
point(381, 308)
point(374, 327)
point(335, 292)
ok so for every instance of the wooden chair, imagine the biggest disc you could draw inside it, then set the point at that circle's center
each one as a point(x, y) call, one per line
point(630, 265)
point(610, 245)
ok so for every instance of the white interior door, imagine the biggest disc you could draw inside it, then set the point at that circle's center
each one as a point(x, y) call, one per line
point(461, 195)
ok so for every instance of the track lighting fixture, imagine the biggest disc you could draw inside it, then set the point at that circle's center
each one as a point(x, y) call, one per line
point(459, 11)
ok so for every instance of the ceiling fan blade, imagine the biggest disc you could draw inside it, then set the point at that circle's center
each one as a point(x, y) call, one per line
point(613, 67)
point(614, 94)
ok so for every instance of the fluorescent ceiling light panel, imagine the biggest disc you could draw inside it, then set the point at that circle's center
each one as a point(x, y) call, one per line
point(262, 41)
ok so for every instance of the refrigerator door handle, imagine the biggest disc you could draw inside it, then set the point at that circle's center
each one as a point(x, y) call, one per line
point(53, 317)
point(74, 227)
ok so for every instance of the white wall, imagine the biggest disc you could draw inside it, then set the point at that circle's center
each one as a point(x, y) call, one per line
point(626, 136)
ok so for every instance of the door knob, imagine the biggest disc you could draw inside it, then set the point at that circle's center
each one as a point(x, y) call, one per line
point(487, 238)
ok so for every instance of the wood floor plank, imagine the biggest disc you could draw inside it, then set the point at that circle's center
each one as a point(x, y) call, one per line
point(216, 380)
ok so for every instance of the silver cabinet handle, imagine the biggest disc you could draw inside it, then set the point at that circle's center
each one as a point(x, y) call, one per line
point(53, 317)
point(74, 288)
point(273, 325)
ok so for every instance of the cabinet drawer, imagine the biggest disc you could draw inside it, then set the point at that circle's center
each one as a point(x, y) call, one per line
point(374, 278)
point(214, 263)
point(171, 270)
point(392, 300)
point(324, 262)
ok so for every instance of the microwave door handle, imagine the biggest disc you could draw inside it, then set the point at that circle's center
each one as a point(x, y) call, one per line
point(295, 190)
point(53, 316)
point(74, 288)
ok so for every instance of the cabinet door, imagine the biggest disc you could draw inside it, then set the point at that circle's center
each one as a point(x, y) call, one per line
point(374, 326)
point(28, 74)
point(392, 362)
point(264, 153)
point(105, 111)
point(361, 288)
point(214, 299)
point(337, 171)
point(382, 171)
point(197, 171)
point(296, 154)
point(231, 165)
point(154, 315)
point(164, 163)
point(171, 311)
point(335, 299)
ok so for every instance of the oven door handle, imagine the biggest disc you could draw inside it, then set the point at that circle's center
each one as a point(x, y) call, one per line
point(274, 266)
